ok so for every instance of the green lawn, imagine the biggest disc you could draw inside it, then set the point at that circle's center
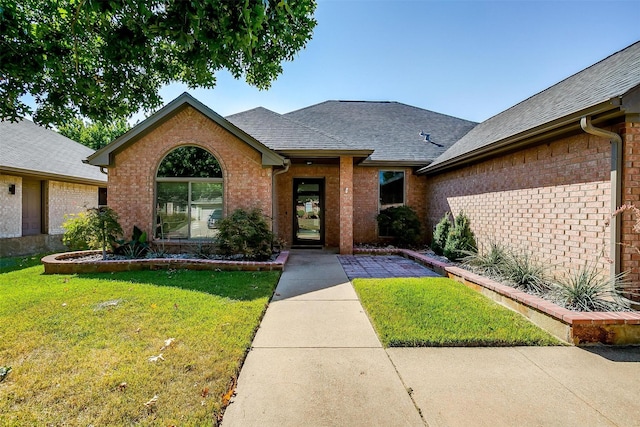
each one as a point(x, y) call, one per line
point(422, 312)
point(80, 345)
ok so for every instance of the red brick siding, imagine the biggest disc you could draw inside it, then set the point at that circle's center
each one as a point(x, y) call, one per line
point(132, 181)
point(366, 193)
point(553, 199)
point(630, 258)
point(346, 205)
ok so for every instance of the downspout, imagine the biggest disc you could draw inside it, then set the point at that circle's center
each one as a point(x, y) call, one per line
point(274, 202)
point(616, 187)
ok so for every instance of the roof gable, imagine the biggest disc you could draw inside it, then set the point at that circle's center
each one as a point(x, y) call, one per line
point(595, 89)
point(27, 148)
point(104, 156)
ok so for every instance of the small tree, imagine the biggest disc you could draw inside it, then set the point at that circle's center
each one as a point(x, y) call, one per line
point(97, 228)
point(245, 233)
point(440, 234)
point(401, 223)
point(460, 239)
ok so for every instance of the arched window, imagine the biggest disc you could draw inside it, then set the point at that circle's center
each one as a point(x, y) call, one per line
point(189, 194)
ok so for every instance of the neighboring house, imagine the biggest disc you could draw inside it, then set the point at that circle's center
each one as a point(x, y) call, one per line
point(42, 179)
point(546, 174)
point(322, 173)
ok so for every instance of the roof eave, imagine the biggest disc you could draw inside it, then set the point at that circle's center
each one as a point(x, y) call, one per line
point(104, 156)
point(319, 153)
point(51, 176)
point(397, 163)
point(530, 136)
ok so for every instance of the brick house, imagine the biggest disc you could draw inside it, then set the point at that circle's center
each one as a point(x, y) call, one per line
point(42, 179)
point(322, 173)
point(547, 173)
point(543, 175)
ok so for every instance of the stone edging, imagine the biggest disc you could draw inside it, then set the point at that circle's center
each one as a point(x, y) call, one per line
point(580, 328)
point(60, 264)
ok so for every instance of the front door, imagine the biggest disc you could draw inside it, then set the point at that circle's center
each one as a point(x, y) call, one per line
point(308, 208)
point(31, 207)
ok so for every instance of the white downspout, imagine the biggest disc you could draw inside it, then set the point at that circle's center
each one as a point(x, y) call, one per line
point(274, 201)
point(616, 187)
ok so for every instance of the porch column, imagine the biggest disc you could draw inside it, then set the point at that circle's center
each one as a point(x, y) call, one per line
point(346, 205)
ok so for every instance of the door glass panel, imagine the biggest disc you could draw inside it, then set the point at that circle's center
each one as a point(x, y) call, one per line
point(173, 199)
point(308, 209)
point(206, 209)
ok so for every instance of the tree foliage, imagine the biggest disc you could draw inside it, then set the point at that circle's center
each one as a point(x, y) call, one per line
point(102, 59)
point(402, 223)
point(94, 135)
point(189, 161)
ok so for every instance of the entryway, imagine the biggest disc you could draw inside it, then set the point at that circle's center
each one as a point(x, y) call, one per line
point(308, 208)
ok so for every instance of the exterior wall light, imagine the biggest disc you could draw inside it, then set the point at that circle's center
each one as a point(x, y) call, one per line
point(12, 189)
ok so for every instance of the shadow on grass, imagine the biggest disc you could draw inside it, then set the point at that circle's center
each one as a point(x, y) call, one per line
point(235, 285)
point(9, 264)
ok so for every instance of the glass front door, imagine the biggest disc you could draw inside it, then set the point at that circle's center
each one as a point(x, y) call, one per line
point(308, 208)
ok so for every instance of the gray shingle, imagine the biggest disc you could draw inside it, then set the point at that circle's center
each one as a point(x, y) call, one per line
point(281, 134)
point(27, 146)
point(609, 78)
point(390, 128)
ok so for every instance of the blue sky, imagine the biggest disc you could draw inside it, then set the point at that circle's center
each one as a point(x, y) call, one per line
point(470, 59)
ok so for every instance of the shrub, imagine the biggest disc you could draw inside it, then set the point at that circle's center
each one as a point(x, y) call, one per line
point(460, 239)
point(401, 223)
point(492, 262)
point(526, 272)
point(137, 247)
point(589, 290)
point(245, 233)
point(97, 228)
point(440, 234)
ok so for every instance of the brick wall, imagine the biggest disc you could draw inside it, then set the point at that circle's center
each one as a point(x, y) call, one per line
point(365, 200)
point(630, 258)
point(65, 198)
point(10, 207)
point(132, 181)
point(553, 199)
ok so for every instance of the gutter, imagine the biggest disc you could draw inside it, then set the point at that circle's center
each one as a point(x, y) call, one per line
point(616, 187)
point(274, 205)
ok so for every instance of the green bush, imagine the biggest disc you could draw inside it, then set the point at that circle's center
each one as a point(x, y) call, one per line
point(440, 234)
point(97, 228)
point(491, 261)
point(460, 239)
point(245, 233)
point(589, 290)
point(401, 223)
point(136, 247)
point(526, 272)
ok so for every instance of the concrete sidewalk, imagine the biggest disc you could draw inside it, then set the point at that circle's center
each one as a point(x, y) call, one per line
point(316, 359)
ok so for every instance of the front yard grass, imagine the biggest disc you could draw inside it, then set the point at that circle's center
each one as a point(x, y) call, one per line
point(426, 312)
point(82, 346)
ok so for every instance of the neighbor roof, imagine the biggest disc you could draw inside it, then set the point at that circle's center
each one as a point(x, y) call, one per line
point(290, 137)
point(29, 149)
point(593, 90)
point(104, 156)
point(391, 129)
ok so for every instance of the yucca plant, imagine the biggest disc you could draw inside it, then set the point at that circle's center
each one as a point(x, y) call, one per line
point(589, 290)
point(526, 272)
point(490, 261)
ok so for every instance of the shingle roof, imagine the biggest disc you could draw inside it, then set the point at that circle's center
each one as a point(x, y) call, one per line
point(607, 79)
point(282, 134)
point(29, 148)
point(390, 128)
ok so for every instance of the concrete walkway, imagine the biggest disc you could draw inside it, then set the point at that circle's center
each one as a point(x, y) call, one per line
point(316, 361)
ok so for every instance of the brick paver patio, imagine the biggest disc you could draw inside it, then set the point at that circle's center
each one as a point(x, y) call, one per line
point(380, 266)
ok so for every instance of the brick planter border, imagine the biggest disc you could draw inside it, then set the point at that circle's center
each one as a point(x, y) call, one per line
point(63, 263)
point(579, 328)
